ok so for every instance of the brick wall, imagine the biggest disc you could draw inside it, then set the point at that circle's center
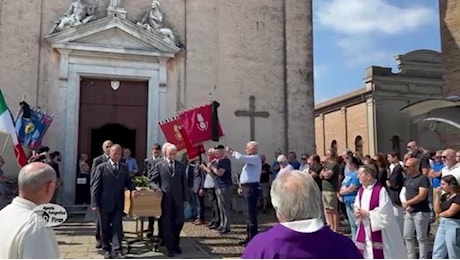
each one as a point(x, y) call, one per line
point(450, 38)
point(358, 126)
point(343, 126)
point(334, 128)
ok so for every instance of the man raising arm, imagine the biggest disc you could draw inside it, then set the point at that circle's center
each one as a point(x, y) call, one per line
point(249, 185)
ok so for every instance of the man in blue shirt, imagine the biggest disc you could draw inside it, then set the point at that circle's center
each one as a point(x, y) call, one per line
point(130, 162)
point(435, 177)
point(249, 186)
point(275, 165)
point(348, 192)
point(292, 158)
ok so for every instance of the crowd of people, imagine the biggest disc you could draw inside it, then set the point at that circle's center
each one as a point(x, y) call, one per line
point(389, 204)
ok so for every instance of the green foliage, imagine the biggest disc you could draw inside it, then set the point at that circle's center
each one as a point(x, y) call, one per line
point(141, 181)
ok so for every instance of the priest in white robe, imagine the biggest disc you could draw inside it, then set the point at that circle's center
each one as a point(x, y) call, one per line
point(379, 235)
point(23, 234)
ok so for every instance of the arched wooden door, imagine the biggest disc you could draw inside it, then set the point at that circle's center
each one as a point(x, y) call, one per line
point(115, 113)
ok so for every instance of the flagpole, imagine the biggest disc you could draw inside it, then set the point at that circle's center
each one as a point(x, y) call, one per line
point(9, 136)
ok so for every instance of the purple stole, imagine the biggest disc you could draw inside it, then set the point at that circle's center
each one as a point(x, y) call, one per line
point(376, 237)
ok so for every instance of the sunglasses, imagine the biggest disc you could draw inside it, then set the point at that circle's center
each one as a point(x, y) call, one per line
point(303, 159)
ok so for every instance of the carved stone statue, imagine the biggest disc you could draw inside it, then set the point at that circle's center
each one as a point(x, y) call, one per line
point(79, 12)
point(153, 22)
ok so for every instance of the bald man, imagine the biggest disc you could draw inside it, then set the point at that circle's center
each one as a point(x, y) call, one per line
point(104, 157)
point(107, 200)
point(22, 234)
point(451, 166)
point(414, 198)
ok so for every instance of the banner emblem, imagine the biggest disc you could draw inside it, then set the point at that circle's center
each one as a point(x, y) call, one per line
point(177, 133)
point(202, 124)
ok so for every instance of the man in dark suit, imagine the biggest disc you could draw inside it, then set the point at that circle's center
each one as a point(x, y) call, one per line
point(149, 163)
point(104, 157)
point(195, 179)
point(108, 197)
point(168, 175)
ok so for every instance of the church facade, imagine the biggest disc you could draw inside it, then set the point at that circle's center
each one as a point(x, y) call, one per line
point(114, 69)
point(368, 120)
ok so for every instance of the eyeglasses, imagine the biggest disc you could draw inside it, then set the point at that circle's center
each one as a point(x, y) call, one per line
point(303, 159)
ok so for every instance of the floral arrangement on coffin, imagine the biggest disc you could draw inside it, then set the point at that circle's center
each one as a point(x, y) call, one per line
point(142, 182)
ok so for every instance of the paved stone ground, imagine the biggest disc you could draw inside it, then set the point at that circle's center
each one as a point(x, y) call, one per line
point(76, 240)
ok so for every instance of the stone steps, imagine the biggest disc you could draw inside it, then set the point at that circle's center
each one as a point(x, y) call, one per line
point(76, 211)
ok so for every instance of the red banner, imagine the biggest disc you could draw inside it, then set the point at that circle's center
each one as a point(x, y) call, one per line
point(197, 123)
point(171, 131)
point(193, 152)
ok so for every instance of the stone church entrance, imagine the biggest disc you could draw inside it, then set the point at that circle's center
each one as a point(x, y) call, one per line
point(114, 110)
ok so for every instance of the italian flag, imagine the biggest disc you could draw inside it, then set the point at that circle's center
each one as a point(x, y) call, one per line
point(7, 127)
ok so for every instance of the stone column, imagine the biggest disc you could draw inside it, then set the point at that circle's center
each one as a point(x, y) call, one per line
point(299, 94)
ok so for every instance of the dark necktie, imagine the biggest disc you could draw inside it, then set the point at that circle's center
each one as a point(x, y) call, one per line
point(171, 166)
point(115, 168)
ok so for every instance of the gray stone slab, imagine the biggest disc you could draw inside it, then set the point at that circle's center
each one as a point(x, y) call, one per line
point(76, 241)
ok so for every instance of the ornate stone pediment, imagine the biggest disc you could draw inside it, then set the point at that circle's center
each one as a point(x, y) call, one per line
point(112, 35)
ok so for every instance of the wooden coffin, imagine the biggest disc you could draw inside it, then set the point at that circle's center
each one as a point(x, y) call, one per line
point(147, 204)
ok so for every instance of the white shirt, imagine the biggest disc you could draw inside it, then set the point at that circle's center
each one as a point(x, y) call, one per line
point(305, 226)
point(288, 168)
point(304, 167)
point(393, 165)
point(22, 236)
point(454, 170)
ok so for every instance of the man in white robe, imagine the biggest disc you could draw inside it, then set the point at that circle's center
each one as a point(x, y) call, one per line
point(23, 234)
point(379, 235)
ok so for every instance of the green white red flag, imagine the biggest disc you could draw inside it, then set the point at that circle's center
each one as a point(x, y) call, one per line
point(7, 126)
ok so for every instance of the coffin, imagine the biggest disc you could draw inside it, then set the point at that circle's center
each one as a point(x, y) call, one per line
point(147, 204)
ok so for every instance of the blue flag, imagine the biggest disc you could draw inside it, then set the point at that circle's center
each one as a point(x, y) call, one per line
point(31, 126)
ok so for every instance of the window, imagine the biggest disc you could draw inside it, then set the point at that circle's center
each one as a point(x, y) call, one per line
point(334, 145)
point(396, 145)
point(359, 146)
